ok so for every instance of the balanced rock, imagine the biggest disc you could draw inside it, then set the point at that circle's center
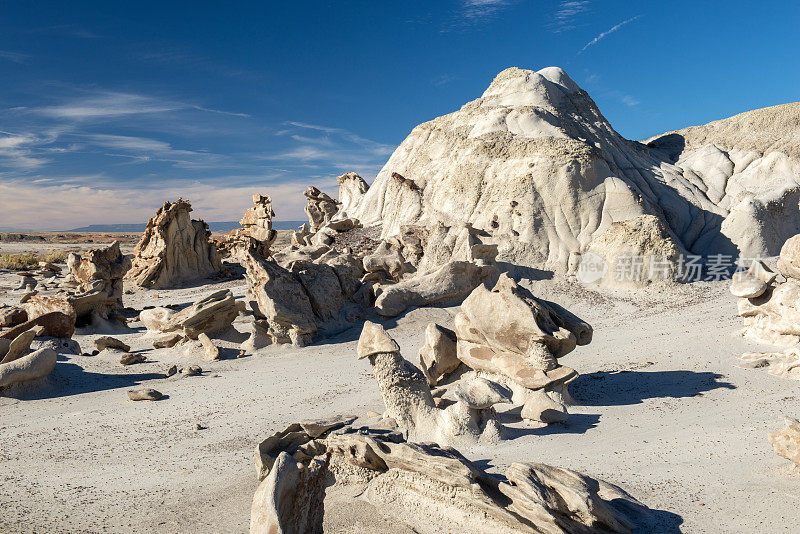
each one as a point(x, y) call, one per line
point(174, 249)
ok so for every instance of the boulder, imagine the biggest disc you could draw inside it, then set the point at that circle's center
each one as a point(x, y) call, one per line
point(144, 394)
point(452, 281)
point(174, 249)
point(53, 324)
point(211, 314)
point(786, 441)
point(107, 342)
point(210, 351)
point(35, 365)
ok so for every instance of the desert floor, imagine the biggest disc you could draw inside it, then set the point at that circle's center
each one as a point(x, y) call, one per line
point(664, 413)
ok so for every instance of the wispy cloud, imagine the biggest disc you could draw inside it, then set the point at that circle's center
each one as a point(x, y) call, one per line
point(565, 17)
point(481, 9)
point(109, 104)
point(628, 100)
point(441, 80)
point(608, 32)
point(15, 57)
point(65, 30)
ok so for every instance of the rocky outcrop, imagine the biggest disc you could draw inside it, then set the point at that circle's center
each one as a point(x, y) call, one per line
point(535, 165)
point(507, 332)
point(438, 357)
point(447, 492)
point(294, 296)
point(99, 274)
point(174, 249)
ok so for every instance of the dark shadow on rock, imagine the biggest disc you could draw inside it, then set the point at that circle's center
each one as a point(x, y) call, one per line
point(71, 379)
point(671, 145)
point(520, 272)
point(619, 388)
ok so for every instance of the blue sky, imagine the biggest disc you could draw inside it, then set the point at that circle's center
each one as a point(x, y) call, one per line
point(108, 108)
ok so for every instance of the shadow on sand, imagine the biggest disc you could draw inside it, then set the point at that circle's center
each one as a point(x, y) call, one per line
point(71, 379)
point(618, 388)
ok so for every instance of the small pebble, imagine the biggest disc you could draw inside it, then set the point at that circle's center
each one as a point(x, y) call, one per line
point(198, 426)
point(171, 371)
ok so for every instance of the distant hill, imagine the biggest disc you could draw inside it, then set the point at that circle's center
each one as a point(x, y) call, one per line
point(225, 226)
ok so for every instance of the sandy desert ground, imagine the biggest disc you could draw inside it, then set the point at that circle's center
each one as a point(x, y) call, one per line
point(663, 412)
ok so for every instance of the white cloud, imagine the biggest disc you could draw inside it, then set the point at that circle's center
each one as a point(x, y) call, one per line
point(481, 9)
point(108, 104)
point(564, 18)
point(608, 32)
point(16, 150)
point(628, 100)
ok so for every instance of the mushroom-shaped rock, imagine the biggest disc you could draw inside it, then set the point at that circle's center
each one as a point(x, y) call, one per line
point(480, 393)
point(374, 340)
point(786, 441)
point(754, 281)
point(745, 285)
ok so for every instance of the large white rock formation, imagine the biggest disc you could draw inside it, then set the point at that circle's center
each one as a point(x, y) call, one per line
point(535, 165)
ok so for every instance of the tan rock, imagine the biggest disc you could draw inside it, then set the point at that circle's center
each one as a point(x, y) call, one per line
point(541, 407)
point(144, 394)
point(53, 324)
point(789, 259)
point(438, 356)
point(786, 441)
point(99, 274)
point(19, 346)
point(352, 189)
point(35, 365)
point(374, 340)
point(107, 342)
point(320, 208)
point(12, 316)
point(452, 281)
point(211, 314)
point(174, 249)
point(167, 340)
point(132, 358)
point(210, 351)
point(290, 499)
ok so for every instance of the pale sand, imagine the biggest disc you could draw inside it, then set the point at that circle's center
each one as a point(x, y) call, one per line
point(665, 414)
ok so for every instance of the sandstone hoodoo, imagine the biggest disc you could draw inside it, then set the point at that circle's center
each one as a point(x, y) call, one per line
point(256, 224)
point(99, 275)
point(535, 165)
point(174, 249)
